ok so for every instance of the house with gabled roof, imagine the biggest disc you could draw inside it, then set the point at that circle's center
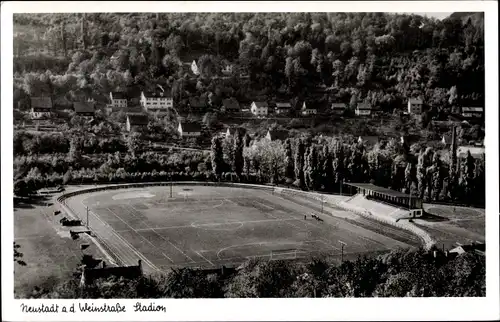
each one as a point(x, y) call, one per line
point(231, 131)
point(189, 129)
point(415, 106)
point(84, 109)
point(198, 103)
point(283, 108)
point(194, 68)
point(472, 112)
point(307, 110)
point(118, 99)
point(273, 135)
point(363, 109)
point(41, 107)
point(156, 101)
point(136, 121)
point(475, 151)
point(259, 108)
point(338, 108)
point(230, 105)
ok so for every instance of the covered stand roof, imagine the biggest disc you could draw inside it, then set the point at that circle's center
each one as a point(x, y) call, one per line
point(378, 189)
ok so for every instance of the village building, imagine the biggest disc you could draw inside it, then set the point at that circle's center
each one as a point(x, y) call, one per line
point(136, 122)
point(231, 131)
point(230, 105)
point(157, 101)
point(475, 151)
point(198, 103)
point(283, 108)
point(338, 108)
point(273, 135)
point(118, 99)
point(189, 129)
point(84, 109)
point(363, 109)
point(259, 108)
point(472, 112)
point(41, 107)
point(194, 68)
point(305, 110)
point(415, 106)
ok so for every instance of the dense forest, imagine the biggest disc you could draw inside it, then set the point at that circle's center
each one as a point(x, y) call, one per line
point(376, 57)
point(400, 273)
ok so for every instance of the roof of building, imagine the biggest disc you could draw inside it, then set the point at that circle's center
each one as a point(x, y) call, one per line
point(119, 95)
point(415, 101)
point(479, 247)
point(137, 119)
point(117, 271)
point(475, 151)
point(41, 102)
point(278, 134)
point(338, 106)
point(190, 127)
point(364, 106)
point(283, 105)
point(157, 94)
point(379, 189)
point(447, 138)
point(84, 107)
point(472, 109)
point(369, 139)
point(198, 102)
point(232, 130)
point(261, 104)
point(231, 104)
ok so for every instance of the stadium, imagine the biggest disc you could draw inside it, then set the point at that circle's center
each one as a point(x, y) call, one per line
point(213, 226)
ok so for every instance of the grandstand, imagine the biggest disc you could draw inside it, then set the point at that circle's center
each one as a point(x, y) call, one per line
point(385, 201)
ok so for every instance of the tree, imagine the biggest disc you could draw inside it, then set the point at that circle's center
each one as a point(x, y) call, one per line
point(327, 169)
point(217, 157)
point(289, 172)
point(238, 154)
point(299, 163)
point(133, 144)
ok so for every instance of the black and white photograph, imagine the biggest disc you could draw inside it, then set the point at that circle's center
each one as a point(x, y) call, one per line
point(253, 154)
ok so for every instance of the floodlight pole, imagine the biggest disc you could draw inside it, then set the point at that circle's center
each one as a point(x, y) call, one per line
point(171, 183)
point(87, 217)
point(321, 203)
point(342, 251)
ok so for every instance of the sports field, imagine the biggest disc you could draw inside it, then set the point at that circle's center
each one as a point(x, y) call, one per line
point(203, 226)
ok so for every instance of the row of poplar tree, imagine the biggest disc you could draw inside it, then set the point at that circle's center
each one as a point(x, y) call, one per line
point(323, 164)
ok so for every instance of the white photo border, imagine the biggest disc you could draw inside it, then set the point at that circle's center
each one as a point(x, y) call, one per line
point(373, 309)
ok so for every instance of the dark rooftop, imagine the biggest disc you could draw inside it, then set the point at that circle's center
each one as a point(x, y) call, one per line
point(231, 104)
point(119, 95)
point(44, 102)
point(137, 119)
point(278, 134)
point(191, 127)
point(197, 102)
point(84, 107)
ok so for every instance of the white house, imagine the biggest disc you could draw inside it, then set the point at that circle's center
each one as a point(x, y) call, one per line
point(194, 68)
point(232, 131)
point(189, 129)
point(472, 112)
point(415, 106)
point(41, 107)
point(118, 99)
point(308, 110)
point(259, 108)
point(156, 101)
point(338, 108)
point(363, 109)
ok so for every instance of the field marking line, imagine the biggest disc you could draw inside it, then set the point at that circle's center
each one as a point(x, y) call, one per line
point(124, 242)
point(153, 230)
point(141, 235)
point(108, 244)
point(199, 254)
